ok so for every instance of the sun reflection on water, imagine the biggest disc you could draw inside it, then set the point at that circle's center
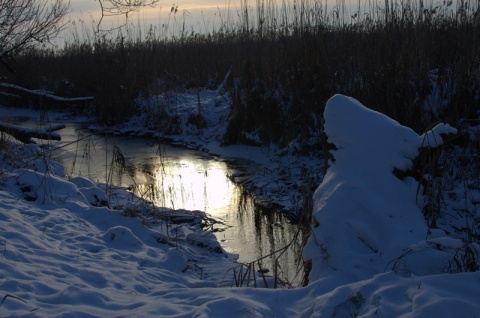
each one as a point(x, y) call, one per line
point(191, 185)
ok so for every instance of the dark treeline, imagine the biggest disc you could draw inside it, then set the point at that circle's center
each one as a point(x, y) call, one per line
point(416, 64)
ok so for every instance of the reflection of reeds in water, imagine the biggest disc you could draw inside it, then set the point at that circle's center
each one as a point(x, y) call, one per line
point(162, 175)
point(162, 157)
point(279, 245)
point(154, 191)
point(86, 154)
point(117, 164)
point(246, 273)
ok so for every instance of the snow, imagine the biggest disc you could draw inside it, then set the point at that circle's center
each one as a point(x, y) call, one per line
point(367, 220)
point(62, 254)
point(26, 134)
point(49, 95)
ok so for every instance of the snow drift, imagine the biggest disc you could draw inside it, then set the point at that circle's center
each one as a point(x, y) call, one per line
point(367, 218)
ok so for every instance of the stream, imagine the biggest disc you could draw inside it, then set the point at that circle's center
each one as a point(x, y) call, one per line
point(179, 178)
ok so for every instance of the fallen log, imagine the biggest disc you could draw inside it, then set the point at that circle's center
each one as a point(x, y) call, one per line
point(46, 94)
point(25, 135)
point(20, 96)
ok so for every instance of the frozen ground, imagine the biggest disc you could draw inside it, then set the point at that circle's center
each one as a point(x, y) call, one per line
point(65, 252)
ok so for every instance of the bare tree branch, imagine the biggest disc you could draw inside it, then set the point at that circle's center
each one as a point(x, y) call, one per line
point(110, 8)
point(25, 22)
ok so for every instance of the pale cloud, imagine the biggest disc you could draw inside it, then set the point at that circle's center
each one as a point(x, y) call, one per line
point(195, 12)
point(84, 6)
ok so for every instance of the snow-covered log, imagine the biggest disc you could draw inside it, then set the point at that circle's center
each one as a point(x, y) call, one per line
point(25, 135)
point(41, 96)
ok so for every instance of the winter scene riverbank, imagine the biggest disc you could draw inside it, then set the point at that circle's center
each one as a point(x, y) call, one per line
point(277, 159)
point(69, 249)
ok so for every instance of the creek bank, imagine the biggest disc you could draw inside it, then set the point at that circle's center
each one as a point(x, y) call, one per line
point(277, 180)
point(281, 177)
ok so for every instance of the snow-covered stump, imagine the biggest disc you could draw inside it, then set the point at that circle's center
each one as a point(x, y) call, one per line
point(365, 217)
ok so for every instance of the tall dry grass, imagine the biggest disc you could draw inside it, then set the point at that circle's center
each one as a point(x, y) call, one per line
point(415, 61)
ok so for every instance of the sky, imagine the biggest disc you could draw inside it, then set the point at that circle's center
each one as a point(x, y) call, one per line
point(199, 15)
point(208, 16)
point(196, 15)
point(92, 5)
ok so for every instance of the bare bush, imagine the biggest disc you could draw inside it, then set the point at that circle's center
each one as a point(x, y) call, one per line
point(112, 8)
point(24, 22)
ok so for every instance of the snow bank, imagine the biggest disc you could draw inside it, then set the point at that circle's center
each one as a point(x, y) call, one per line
point(368, 219)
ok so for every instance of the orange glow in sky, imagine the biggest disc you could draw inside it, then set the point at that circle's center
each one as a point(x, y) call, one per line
point(196, 14)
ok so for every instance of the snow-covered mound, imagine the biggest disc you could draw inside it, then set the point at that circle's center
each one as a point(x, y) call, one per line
point(366, 220)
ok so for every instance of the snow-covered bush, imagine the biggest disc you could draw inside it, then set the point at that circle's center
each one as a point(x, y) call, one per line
point(366, 218)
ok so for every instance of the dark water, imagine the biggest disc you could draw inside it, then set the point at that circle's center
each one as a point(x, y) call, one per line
point(176, 177)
